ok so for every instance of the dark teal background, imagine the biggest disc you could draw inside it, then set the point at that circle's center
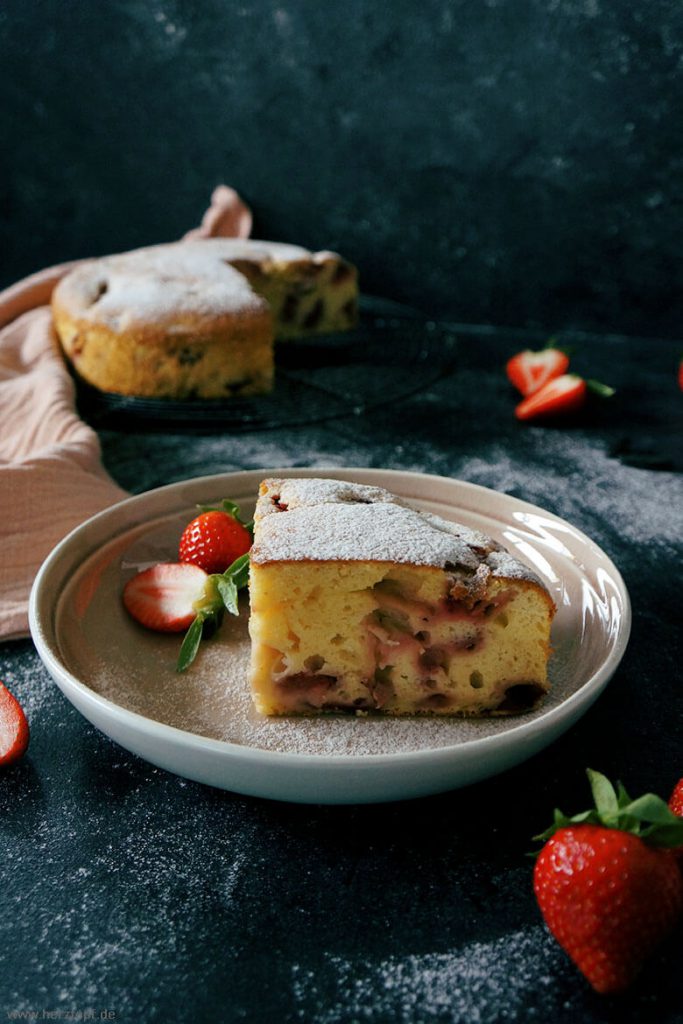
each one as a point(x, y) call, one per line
point(515, 162)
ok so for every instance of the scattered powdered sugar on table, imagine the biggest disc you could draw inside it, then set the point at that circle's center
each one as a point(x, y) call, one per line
point(136, 897)
point(506, 979)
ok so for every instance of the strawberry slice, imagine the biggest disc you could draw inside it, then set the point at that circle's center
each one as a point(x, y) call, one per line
point(163, 597)
point(14, 731)
point(528, 371)
point(174, 596)
point(560, 396)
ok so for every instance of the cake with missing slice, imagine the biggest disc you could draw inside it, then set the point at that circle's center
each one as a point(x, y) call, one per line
point(360, 602)
point(198, 319)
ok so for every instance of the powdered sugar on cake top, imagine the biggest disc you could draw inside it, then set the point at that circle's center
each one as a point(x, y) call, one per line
point(165, 281)
point(334, 520)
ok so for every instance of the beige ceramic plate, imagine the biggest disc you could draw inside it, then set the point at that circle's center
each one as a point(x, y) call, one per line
point(201, 724)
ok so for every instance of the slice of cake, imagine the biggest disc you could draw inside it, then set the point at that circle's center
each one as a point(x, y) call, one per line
point(359, 602)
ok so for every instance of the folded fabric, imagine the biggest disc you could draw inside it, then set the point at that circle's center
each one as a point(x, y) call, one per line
point(51, 473)
point(227, 217)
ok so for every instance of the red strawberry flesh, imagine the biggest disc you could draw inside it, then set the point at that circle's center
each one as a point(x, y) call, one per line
point(14, 731)
point(529, 371)
point(562, 395)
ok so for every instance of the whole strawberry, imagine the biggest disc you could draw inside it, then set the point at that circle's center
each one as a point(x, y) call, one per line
point(608, 885)
point(215, 538)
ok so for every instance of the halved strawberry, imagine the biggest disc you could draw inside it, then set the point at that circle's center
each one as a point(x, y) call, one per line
point(163, 597)
point(528, 371)
point(174, 596)
point(215, 538)
point(14, 731)
point(560, 396)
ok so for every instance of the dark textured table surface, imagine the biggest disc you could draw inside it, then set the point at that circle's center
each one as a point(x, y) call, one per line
point(135, 895)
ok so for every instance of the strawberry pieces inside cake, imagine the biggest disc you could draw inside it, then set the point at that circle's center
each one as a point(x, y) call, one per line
point(360, 602)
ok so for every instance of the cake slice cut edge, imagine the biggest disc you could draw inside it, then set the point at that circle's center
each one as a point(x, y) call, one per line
point(361, 603)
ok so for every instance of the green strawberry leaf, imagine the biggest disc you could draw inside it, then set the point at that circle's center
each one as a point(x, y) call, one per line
point(229, 594)
point(239, 571)
point(652, 809)
point(647, 817)
point(190, 644)
point(604, 794)
point(235, 577)
point(221, 592)
point(622, 796)
point(603, 390)
point(231, 508)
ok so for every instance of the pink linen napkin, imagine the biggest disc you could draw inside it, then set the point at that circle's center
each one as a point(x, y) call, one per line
point(227, 217)
point(51, 473)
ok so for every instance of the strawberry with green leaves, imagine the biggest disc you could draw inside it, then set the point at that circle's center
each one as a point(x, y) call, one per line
point(608, 885)
point(174, 596)
point(215, 538)
point(528, 370)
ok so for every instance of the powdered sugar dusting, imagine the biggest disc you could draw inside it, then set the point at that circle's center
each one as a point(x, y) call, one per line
point(378, 532)
point(326, 520)
point(481, 981)
point(164, 282)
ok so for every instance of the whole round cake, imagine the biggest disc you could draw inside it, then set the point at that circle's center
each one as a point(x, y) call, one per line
point(197, 319)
